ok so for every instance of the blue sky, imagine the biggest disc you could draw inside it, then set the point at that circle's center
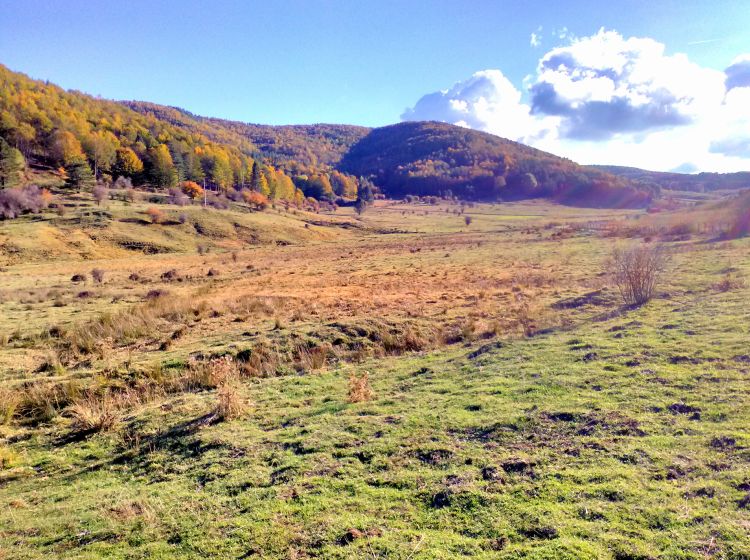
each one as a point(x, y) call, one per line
point(337, 61)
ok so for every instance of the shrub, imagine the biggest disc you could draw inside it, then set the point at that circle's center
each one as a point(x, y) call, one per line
point(123, 183)
point(26, 200)
point(191, 189)
point(467, 220)
point(156, 215)
point(177, 197)
point(9, 401)
point(255, 199)
point(98, 275)
point(131, 195)
point(94, 413)
point(359, 388)
point(635, 271)
point(76, 278)
point(231, 404)
point(101, 192)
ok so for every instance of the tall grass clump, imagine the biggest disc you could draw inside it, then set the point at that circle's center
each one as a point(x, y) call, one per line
point(360, 389)
point(94, 413)
point(127, 326)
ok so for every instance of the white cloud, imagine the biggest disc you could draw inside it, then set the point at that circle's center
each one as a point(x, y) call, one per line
point(535, 40)
point(486, 101)
point(610, 99)
point(604, 85)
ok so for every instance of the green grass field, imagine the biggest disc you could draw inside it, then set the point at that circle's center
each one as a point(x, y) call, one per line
point(602, 432)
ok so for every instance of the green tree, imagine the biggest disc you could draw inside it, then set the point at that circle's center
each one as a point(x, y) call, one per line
point(366, 190)
point(79, 175)
point(12, 165)
point(101, 148)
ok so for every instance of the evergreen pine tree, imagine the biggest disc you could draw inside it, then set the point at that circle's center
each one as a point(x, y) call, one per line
point(79, 173)
point(12, 165)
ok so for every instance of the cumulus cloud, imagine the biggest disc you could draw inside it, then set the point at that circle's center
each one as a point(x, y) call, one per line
point(487, 101)
point(605, 84)
point(611, 99)
point(738, 73)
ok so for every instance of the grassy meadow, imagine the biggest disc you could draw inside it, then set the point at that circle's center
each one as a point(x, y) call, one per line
point(421, 381)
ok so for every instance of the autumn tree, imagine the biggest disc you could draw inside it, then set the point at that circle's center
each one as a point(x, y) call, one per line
point(255, 199)
point(319, 187)
point(191, 189)
point(258, 180)
point(343, 185)
point(65, 147)
point(162, 171)
point(127, 163)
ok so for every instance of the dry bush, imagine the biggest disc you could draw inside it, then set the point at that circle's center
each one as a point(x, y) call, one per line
point(315, 358)
point(729, 282)
point(17, 201)
point(636, 271)
point(209, 374)
point(135, 509)
point(261, 361)
point(410, 339)
point(101, 193)
point(157, 216)
point(9, 401)
point(523, 312)
point(95, 413)
point(231, 403)
point(41, 402)
point(359, 388)
point(98, 275)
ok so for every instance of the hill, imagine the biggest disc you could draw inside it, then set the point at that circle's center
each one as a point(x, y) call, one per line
point(432, 158)
point(315, 145)
point(698, 182)
point(89, 139)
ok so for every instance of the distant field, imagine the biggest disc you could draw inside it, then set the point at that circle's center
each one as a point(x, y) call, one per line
point(513, 408)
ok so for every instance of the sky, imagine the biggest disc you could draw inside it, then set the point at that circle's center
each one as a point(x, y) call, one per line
point(661, 85)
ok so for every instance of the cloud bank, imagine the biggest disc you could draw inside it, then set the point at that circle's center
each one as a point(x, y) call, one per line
point(610, 99)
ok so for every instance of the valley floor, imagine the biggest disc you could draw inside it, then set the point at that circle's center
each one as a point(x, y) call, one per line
point(517, 409)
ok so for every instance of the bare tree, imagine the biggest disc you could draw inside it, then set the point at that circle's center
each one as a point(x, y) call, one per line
point(101, 193)
point(636, 270)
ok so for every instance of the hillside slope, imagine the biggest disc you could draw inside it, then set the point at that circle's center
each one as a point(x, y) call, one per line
point(314, 145)
point(431, 158)
point(699, 182)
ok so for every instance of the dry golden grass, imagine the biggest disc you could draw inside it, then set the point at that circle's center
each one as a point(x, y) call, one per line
point(10, 399)
point(231, 404)
point(95, 413)
point(359, 388)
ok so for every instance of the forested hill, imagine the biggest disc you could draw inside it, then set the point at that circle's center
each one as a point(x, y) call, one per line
point(310, 146)
point(698, 182)
point(432, 158)
point(87, 139)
